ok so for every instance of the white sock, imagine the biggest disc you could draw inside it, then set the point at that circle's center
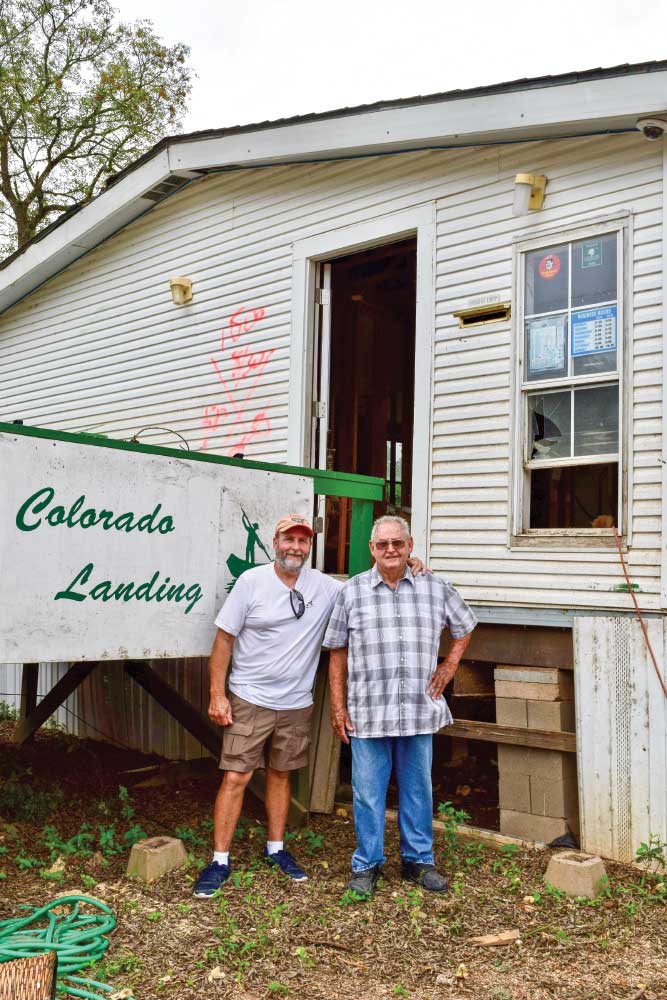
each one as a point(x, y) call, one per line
point(222, 857)
point(273, 846)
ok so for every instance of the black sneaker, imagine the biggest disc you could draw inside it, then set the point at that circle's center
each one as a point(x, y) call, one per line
point(287, 865)
point(363, 883)
point(210, 880)
point(424, 875)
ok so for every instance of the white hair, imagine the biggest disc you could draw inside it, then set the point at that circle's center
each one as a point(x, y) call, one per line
point(391, 519)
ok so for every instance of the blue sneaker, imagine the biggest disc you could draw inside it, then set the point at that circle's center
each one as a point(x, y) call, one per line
point(287, 865)
point(210, 880)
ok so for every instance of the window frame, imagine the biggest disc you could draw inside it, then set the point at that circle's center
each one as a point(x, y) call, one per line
point(520, 535)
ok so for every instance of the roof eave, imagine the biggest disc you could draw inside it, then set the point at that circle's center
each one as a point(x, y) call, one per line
point(578, 108)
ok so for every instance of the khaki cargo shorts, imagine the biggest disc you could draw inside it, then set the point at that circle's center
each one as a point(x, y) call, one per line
point(259, 736)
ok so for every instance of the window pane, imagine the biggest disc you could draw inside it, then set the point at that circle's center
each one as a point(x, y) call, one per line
point(577, 496)
point(596, 420)
point(546, 279)
point(594, 270)
point(594, 340)
point(546, 348)
point(549, 425)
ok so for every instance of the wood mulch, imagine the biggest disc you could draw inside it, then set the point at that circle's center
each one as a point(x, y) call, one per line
point(267, 937)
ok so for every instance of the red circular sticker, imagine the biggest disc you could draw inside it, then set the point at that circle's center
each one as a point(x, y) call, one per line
point(549, 266)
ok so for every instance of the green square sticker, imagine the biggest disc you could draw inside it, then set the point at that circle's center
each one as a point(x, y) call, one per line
point(591, 253)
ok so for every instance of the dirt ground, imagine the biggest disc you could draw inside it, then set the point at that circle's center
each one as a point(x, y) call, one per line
point(267, 937)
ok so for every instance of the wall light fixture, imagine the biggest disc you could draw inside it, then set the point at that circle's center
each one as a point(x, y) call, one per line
point(181, 290)
point(528, 193)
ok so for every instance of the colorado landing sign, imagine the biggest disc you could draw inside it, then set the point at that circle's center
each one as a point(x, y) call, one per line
point(115, 552)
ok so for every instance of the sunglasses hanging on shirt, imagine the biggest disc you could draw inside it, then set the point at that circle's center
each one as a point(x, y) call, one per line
point(297, 602)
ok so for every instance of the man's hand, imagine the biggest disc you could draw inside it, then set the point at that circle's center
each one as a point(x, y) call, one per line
point(220, 710)
point(441, 678)
point(341, 724)
point(417, 566)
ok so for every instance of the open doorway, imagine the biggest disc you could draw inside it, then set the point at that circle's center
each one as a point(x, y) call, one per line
point(367, 351)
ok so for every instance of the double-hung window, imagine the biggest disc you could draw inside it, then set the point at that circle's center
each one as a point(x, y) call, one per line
point(570, 391)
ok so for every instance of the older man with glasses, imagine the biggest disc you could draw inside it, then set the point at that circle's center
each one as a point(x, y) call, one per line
point(384, 636)
point(270, 628)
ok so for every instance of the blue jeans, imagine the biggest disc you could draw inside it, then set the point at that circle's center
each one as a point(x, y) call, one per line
point(372, 759)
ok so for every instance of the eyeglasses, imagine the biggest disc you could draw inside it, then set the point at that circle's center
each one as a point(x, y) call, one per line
point(397, 543)
point(300, 608)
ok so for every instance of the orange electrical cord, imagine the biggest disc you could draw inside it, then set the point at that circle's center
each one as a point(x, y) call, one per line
point(639, 614)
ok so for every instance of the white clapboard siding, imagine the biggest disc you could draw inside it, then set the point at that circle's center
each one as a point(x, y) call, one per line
point(102, 348)
point(66, 715)
point(471, 488)
point(622, 711)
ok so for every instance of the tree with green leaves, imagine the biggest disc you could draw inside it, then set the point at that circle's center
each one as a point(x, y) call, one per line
point(81, 96)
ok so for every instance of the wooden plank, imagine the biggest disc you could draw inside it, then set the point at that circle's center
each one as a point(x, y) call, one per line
point(524, 645)
point(493, 733)
point(298, 815)
point(56, 696)
point(174, 703)
point(324, 780)
point(29, 681)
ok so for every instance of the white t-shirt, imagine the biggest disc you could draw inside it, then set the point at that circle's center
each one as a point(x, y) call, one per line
point(275, 654)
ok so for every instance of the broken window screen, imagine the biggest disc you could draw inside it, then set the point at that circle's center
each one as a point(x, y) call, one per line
point(575, 496)
point(549, 417)
point(547, 279)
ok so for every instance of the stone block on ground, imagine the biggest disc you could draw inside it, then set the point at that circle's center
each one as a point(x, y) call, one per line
point(512, 712)
point(552, 764)
point(149, 859)
point(554, 798)
point(553, 716)
point(525, 826)
point(514, 791)
point(576, 873)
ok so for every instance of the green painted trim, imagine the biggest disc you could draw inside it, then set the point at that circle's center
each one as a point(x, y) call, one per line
point(360, 533)
point(325, 482)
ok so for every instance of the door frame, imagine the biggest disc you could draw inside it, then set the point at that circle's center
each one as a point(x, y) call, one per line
point(306, 255)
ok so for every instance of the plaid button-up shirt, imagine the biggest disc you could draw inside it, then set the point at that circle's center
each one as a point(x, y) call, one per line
point(392, 637)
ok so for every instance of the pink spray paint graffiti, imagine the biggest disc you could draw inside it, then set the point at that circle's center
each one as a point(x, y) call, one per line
point(238, 386)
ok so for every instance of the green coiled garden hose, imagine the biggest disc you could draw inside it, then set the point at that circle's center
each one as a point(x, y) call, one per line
point(77, 938)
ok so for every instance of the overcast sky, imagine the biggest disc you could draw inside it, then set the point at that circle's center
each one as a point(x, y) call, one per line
point(266, 59)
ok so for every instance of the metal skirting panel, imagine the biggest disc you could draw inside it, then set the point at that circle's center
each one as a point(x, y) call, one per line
point(66, 716)
point(115, 708)
point(622, 734)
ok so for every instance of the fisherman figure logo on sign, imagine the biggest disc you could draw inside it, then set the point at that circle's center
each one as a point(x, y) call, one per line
point(235, 564)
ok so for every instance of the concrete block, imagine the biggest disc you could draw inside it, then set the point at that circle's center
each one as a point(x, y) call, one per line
point(552, 764)
point(554, 716)
point(535, 675)
point(554, 798)
point(534, 683)
point(522, 689)
point(514, 791)
point(529, 827)
point(512, 712)
point(576, 873)
point(149, 859)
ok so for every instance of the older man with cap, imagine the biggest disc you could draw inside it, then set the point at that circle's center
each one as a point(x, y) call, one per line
point(270, 628)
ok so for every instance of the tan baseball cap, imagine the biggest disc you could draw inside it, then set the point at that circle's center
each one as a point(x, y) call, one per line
point(293, 521)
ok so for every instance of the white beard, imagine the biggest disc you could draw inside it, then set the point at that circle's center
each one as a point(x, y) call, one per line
point(291, 564)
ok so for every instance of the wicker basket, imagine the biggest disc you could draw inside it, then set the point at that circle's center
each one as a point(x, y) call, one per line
point(29, 978)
